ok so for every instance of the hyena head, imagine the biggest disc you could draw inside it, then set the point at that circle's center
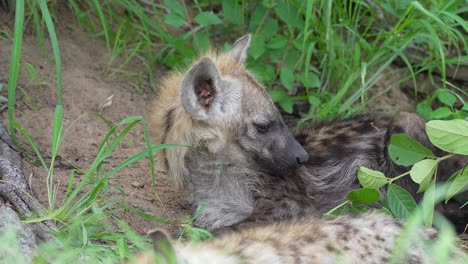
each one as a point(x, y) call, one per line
point(218, 106)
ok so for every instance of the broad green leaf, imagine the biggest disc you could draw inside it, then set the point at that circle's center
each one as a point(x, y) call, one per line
point(311, 81)
point(257, 47)
point(426, 182)
point(425, 110)
point(423, 169)
point(269, 28)
point(203, 40)
point(314, 100)
point(364, 196)
point(175, 7)
point(277, 95)
point(277, 42)
point(441, 113)
point(458, 182)
point(264, 72)
point(232, 11)
point(292, 58)
point(405, 151)
point(286, 104)
point(289, 14)
point(371, 178)
point(174, 19)
point(287, 78)
point(446, 97)
point(465, 107)
point(400, 201)
point(207, 19)
point(451, 136)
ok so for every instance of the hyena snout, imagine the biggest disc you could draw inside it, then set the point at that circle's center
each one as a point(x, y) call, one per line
point(289, 157)
point(300, 155)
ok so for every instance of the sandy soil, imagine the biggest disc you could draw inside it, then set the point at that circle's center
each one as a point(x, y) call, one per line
point(87, 87)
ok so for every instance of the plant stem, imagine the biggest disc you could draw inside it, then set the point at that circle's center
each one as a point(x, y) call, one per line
point(398, 177)
point(338, 207)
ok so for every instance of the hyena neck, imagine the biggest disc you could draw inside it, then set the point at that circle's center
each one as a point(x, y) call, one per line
point(223, 190)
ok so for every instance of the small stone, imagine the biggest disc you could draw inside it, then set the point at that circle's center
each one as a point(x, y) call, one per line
point(138, 184)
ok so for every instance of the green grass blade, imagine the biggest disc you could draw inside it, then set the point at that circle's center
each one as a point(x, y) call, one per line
point(15, 64)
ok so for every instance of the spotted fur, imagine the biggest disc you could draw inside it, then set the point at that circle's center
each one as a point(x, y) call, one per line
point(369, 238)
point(243, 165)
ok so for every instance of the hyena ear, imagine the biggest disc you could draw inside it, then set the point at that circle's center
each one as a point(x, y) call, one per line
point(162, 245)
point(240, 48)
point(205, 95)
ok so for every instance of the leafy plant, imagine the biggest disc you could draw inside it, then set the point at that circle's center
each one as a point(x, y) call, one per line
point(450, 136)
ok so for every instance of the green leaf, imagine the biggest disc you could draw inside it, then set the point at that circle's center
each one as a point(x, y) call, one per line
point(174, 19)
point(281, 97)
point(441, 113)
point(405, 151)
point(465, 107)
point(203, 40)
point(446, 97)
point(425, 110)
point(314, 100)
point(371, 178)
point(232, 11)
point(428, 204)
point(287, 78)
point(458, 183)
point(207, 19)
point(286, 104)
point(277, 95)
point(257, 47)
point(277, 42)
point(423, 169)
point(310, 81)
point(292, 58)
point(175, 7)
point(264, 72)
point(269, 28)
point(289, 14)
point(400, 201)
point(451, 136)
point(364, 196)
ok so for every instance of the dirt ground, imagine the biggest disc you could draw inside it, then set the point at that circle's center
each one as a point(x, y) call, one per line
point(87, 87)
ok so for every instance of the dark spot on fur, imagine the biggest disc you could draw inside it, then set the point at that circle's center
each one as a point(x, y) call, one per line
point(330, 247)
point(379, 238)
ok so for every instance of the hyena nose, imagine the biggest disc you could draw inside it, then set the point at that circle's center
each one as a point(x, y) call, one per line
point(302, 157)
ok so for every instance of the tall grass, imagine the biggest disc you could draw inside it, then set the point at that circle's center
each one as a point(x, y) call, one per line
point(335, 51)
point(88, 223)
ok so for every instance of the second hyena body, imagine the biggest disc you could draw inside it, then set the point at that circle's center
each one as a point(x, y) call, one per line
point(371, 238)
point(246, 166)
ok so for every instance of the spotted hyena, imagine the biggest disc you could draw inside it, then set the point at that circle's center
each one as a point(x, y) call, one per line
point(245, 165)
point(371, 238)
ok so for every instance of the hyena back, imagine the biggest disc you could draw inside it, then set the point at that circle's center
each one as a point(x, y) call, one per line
point(246, 166)
point(371, 238)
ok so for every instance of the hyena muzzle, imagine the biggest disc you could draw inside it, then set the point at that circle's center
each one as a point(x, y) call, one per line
point(246, 166)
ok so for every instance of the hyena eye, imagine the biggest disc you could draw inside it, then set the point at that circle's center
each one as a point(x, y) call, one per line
point(262, 127)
